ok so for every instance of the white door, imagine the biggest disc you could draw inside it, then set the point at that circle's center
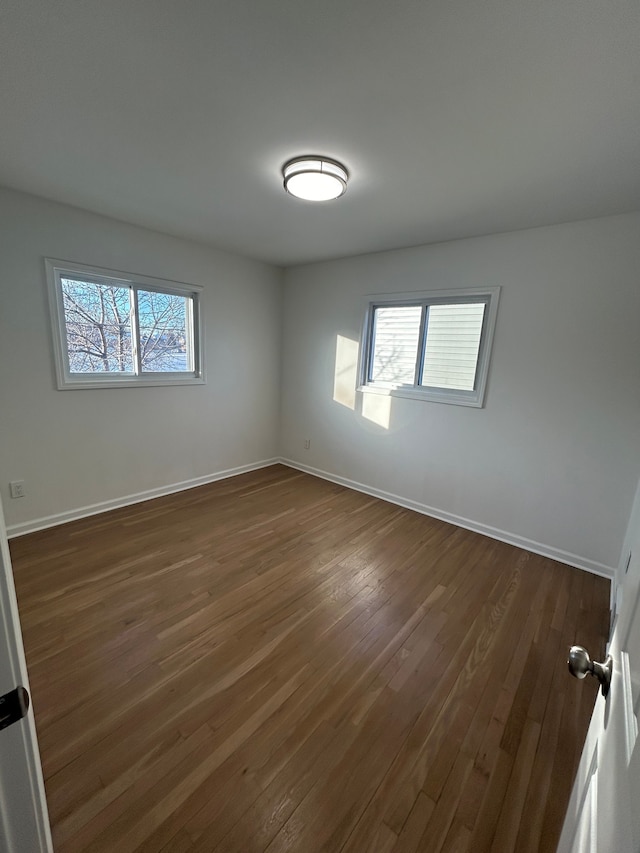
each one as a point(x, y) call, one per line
point(604, 811)
point(24, 824)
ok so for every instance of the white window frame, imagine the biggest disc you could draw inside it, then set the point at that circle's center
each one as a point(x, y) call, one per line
point(474, 398)
point(66, 380)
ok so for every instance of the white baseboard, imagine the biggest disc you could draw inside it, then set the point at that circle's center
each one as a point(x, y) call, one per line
point(15, 530)
point(579, 562)
point(493, 532)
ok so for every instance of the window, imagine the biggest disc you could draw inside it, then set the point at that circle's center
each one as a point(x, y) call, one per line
point(111, 329)
point(431, 346)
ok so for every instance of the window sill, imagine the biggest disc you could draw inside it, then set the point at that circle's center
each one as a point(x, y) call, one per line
point(412, 393)
point(133, 382)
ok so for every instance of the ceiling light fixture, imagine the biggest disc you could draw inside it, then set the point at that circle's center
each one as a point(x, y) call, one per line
point(315, 178)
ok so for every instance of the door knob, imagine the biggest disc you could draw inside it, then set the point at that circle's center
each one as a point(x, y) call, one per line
point(580, 665)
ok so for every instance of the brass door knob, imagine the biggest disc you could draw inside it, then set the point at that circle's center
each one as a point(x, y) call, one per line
point(581, 665)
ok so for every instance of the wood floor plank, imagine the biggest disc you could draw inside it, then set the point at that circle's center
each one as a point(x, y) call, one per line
point(411, 834)
point(277, 663)
point(511, 813)
point(437, 830)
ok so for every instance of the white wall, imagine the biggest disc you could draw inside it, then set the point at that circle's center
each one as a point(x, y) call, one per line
point(83, 447)
point(553, 459)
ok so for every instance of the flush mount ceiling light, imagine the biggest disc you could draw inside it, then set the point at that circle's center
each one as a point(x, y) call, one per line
point(315, 178)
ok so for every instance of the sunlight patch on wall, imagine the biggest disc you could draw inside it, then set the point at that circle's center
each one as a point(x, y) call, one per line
point(346, 372)
point(377, 408)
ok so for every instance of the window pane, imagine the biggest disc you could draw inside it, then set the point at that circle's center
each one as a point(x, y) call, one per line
point(166, 341)
point(98, 325)
point(453, 342)
point(395, 343)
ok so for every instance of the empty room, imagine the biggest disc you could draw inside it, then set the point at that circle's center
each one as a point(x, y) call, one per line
point(320, 427)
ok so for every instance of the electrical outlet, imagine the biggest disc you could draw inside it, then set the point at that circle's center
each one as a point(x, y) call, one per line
point(307, 443)
point(16, 487)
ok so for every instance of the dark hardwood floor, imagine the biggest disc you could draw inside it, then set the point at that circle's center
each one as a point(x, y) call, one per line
point(276, 663)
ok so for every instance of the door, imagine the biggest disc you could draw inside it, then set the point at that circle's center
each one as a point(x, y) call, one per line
point(604, 811)
point(24, 824)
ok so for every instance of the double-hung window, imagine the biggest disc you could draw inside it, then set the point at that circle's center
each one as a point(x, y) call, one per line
point(111, 329)
point(430, 346)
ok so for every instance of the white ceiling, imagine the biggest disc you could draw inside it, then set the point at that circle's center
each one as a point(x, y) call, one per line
point(455, 118)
